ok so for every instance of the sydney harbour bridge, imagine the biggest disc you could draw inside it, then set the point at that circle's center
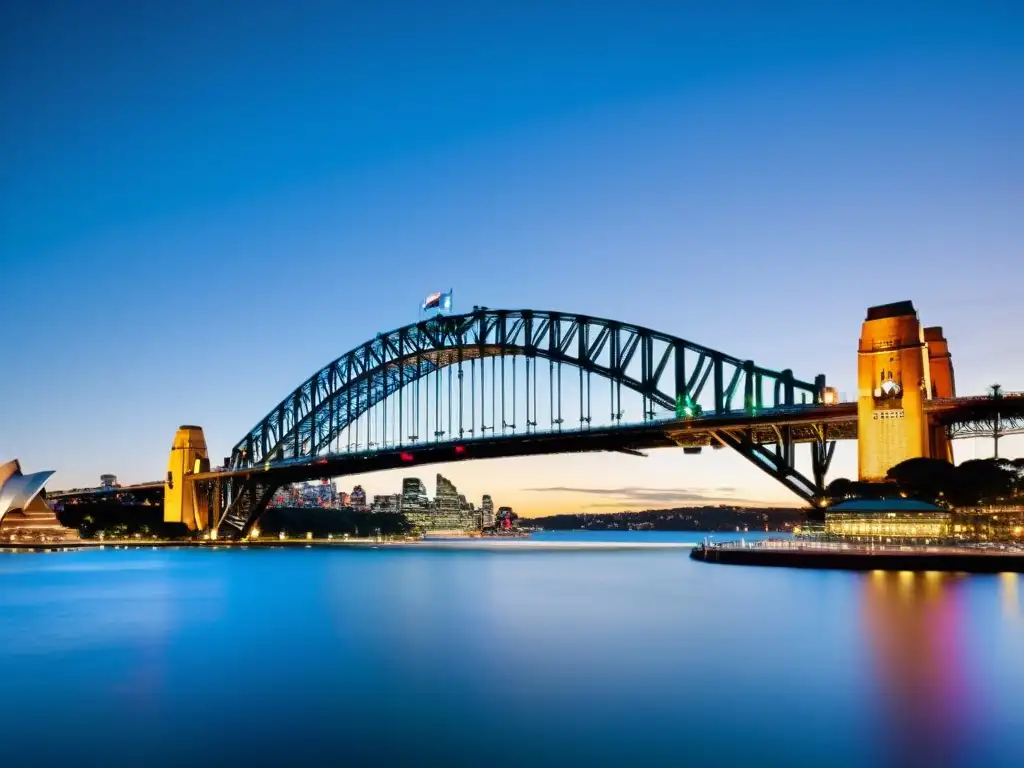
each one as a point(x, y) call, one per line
point(496, 383)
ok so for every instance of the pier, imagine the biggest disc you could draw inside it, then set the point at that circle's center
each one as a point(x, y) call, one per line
point(847, 557)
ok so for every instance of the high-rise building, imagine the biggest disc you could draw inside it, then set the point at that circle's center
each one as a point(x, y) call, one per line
point(358, 498)
point(446, 496)
point(414, 495)
point(448, 512)
point(487, 508)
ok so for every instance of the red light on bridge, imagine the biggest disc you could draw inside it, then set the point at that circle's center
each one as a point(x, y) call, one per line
point(459, 450)
point(405, 456)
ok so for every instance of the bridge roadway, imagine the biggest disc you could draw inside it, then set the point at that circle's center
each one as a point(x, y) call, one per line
point(806, 423)
point(803, 423)
point(839, 421)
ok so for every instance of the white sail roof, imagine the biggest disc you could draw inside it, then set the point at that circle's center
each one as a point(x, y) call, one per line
point(20, 489)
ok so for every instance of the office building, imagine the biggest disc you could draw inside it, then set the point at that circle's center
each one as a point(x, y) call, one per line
point(487, 512)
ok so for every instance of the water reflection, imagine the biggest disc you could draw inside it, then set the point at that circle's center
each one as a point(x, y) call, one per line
point(914, 623)
point(410, 657)
point(1009, 592)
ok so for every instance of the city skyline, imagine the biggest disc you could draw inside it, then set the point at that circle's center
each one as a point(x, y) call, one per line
point(376, 501)
point(190, 232)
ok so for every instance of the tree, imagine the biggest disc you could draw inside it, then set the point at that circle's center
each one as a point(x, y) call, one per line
point(984, 481)
point(930, 479)
point(841, 488)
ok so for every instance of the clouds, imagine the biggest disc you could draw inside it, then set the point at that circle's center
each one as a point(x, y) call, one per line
point(633, 496)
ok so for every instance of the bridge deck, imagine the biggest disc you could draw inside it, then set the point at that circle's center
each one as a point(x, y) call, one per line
point(806, 423)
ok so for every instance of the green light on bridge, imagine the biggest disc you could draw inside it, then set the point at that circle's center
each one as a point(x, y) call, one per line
point(686, 408)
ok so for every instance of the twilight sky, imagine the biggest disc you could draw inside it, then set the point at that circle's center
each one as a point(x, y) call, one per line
point(202, 202)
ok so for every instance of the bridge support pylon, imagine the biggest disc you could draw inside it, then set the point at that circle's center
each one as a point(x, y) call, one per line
point(183, 502)
point(940, 367)
point(893, 382)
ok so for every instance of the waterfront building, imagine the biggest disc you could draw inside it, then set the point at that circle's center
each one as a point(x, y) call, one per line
point(505, 516)
point(487, 512)
point(24, 515)
point(998, 524)
point(888, 521)
point(447, 513)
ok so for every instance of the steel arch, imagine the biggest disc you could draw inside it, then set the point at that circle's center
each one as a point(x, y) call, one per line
point(671, 370)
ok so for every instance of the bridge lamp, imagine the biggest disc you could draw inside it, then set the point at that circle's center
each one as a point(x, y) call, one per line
point(460, 450)
point(685, 407)
point(406, 456)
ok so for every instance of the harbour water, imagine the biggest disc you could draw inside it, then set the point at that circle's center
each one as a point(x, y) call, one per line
point(501, 656)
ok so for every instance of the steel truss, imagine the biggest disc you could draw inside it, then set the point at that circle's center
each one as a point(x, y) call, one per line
point(1007, 425)
point(237, 503)
point(674, 377)
point(778, 458)
point(671, 370)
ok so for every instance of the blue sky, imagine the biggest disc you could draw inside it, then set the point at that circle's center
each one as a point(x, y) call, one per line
point(200, 205)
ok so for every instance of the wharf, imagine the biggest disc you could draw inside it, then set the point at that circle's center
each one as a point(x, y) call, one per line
point(944, 559)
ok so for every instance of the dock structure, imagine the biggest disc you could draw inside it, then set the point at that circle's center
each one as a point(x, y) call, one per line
point(836, 556)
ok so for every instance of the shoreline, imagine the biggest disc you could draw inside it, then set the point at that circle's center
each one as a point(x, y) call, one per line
point(505, 544)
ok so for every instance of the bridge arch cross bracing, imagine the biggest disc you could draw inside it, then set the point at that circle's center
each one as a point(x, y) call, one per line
point(668, 372)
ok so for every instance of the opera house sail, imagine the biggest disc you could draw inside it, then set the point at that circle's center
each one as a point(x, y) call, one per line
point(24, 515)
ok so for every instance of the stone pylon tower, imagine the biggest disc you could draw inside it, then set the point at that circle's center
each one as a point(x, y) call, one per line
point(940, 368)
point(893, 382)
point(181, 502)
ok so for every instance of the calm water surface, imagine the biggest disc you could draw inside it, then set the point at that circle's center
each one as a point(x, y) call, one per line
point(428, 657)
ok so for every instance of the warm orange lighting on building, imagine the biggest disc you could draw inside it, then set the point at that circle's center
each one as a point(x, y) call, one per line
point(895, 519)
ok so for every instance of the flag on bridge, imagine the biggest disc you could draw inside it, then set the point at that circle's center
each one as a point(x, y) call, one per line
point(441, 301)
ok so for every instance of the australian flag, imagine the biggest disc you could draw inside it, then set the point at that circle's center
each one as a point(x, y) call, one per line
point(441, 301)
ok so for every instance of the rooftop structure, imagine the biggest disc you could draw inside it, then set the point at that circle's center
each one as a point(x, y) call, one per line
point(23, 513)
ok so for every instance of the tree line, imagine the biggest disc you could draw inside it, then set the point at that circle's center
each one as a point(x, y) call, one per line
point(979, 482)
point(678, 519)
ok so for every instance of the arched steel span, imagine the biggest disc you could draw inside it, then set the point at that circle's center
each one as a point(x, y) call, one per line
point(668, 372)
